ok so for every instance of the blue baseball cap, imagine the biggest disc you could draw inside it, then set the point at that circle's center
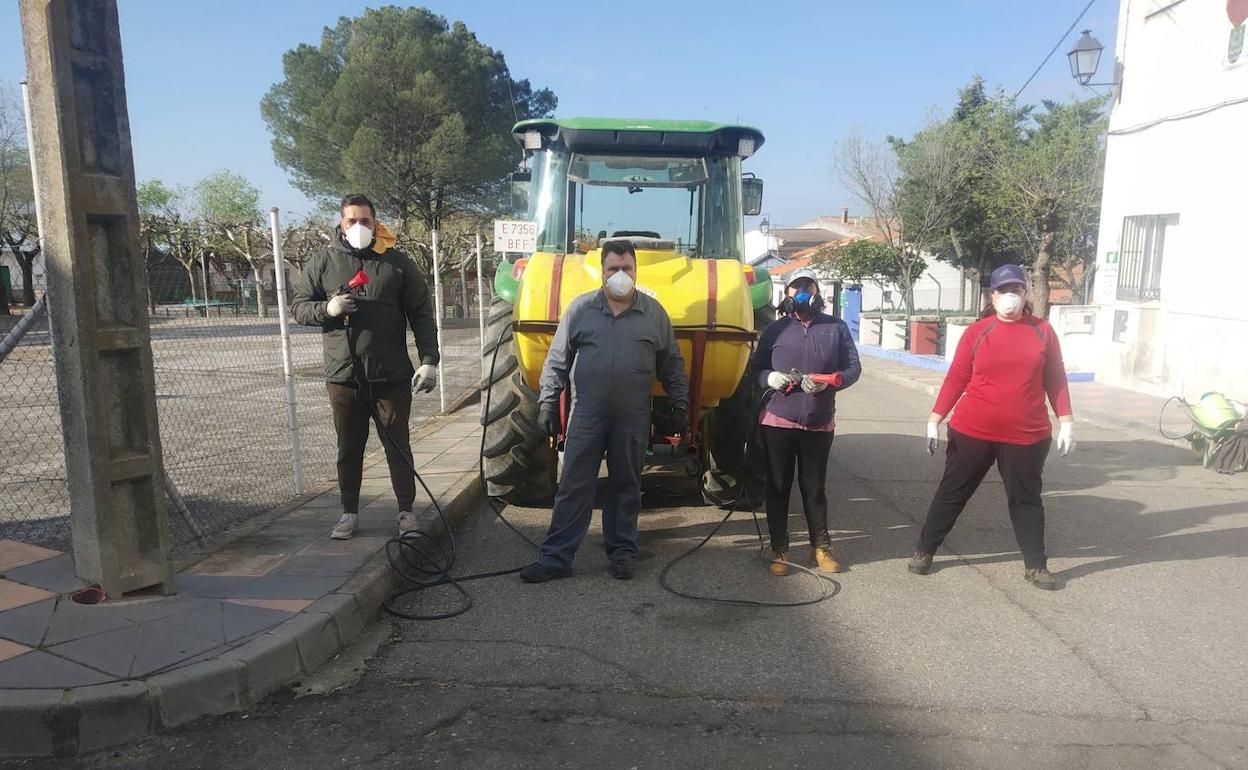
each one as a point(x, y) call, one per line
point(1007, 274)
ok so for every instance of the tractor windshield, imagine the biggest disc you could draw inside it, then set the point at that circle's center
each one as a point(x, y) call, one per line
point(691, 205)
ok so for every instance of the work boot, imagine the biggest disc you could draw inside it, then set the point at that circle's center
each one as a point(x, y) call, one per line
point(822, 556)
point(778, 567)
point(346, 527)
point(621, 569)
point(920, 563)
point(540, 573)
point(407, 522)
point(1041, 578)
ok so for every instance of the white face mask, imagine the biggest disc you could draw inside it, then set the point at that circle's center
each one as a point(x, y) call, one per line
point(620, 285)
point(359, 236)
point(1007, 304)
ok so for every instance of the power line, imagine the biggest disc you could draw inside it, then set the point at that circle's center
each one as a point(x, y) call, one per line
point(1056, 45)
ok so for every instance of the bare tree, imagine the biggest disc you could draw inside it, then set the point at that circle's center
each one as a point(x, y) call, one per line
point(229, 207)
point(18, 226)
point(909, 189)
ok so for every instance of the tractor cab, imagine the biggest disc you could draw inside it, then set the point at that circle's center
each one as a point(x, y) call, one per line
point(665, 185)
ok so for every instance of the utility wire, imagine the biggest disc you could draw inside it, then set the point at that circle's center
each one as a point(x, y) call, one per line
point(1056, 45)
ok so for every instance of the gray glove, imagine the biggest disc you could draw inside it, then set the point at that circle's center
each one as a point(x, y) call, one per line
point(810, 386)
point(426, 378)
point(339, 305)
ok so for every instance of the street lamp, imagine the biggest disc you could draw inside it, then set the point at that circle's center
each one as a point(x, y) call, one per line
point(764, 226)
point(1084, 58)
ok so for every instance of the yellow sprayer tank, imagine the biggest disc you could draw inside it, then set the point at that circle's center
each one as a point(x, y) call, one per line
point(695, 292)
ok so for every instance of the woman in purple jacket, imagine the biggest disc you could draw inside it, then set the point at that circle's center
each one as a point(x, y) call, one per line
point(798, 419)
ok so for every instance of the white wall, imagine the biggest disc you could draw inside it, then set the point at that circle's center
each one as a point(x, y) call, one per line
point(940, 281)
point(1194, 337)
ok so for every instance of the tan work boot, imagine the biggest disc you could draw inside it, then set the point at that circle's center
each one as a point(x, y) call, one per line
point(824, 559)
point(778, 566)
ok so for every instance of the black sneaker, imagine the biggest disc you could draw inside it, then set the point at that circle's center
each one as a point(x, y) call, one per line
point(920, 563)
point(621, 569)
point(1042, 578)
point(540, 573)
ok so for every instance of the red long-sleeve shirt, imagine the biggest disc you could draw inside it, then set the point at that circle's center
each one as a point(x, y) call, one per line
point(999, 377)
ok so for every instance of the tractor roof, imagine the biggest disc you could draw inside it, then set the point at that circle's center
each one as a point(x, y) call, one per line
point(635, 136)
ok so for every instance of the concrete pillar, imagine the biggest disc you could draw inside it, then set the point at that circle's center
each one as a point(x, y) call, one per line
point(97, 283)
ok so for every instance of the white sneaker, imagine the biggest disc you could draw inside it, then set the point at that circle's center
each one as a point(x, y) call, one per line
point(407, 522)
point(346, 527)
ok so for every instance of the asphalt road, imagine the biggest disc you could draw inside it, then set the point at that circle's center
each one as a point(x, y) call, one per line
point(1137, 663)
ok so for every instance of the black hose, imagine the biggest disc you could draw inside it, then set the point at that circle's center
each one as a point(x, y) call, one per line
point(1161, 420)
point(828, 587)
point(422, 570)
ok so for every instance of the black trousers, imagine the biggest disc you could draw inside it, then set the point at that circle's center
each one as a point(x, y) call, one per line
point(808, 451)
point(967, 461)
point(352, 416)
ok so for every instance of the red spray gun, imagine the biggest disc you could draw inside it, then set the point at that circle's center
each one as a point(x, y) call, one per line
point(352, 287)
point(836, 379)
point(357, 280)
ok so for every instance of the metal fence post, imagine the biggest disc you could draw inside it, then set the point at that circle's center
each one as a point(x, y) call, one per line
point(438, 312)
point(480, 298)
point(288, 369)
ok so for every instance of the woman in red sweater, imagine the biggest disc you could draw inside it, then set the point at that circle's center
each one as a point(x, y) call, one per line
point(1005, 366)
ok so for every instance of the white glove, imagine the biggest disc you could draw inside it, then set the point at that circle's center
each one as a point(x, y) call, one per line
point(1066, 438)
point(810, 386)
point(426, 378)
point(340, 304)
point(933, 437)
point(779, 380)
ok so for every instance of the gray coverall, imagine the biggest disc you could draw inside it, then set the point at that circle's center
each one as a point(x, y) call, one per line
point(613, 362)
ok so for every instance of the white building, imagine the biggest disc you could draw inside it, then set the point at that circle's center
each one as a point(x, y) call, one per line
point(1172, 254)
point(782, 250)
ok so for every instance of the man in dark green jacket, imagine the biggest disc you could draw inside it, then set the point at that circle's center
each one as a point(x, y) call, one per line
point(364, 335)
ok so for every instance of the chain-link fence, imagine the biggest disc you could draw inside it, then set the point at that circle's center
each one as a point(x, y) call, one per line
point(221, 400)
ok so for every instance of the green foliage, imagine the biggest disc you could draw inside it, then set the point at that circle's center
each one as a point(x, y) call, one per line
point(155, 197)
point(864, 261)
point(227, 198)
point(400, 105)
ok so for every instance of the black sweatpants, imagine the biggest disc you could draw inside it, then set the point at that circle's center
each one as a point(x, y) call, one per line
point(967, 461)
point(352, 416)
point(807, 450)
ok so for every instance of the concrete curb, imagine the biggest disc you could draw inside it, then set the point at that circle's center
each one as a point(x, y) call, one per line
point(61, 723)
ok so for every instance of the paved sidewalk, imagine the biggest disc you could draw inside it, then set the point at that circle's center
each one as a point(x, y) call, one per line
point(270, 605)
point(1094, 402)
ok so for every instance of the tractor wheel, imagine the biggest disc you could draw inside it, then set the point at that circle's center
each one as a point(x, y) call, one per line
point(520, 466)
point(735, 456)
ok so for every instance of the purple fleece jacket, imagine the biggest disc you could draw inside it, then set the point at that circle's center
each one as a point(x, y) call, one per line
point(823, 347)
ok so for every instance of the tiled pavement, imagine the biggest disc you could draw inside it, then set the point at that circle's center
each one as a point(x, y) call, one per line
point(249, 618)
point(1093, 401)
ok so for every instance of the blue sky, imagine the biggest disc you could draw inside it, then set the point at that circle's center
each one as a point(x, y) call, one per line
point(804, 71)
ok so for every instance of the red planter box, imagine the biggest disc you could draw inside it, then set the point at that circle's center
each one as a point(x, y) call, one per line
point(923, 337)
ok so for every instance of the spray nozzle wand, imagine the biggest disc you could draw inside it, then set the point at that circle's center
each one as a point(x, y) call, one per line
point(357, 280)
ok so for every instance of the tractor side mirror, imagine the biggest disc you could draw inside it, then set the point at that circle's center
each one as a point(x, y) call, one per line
point(520, 190)
point(751, 196)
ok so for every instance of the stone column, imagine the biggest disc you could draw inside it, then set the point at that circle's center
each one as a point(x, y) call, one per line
point(97, 289)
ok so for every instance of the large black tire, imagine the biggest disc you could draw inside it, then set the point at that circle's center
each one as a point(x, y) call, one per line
point(520, 466)
point(736, 466)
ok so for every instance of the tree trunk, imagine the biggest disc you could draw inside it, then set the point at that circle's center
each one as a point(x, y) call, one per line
point(192, 273)
point(1039, 293)
point(28, 278)
point(262, 305)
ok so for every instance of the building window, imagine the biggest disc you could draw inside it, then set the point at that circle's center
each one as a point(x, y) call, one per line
point(1140, 256)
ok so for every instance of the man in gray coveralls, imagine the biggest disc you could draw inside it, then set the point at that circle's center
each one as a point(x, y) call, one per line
point(613, 342)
